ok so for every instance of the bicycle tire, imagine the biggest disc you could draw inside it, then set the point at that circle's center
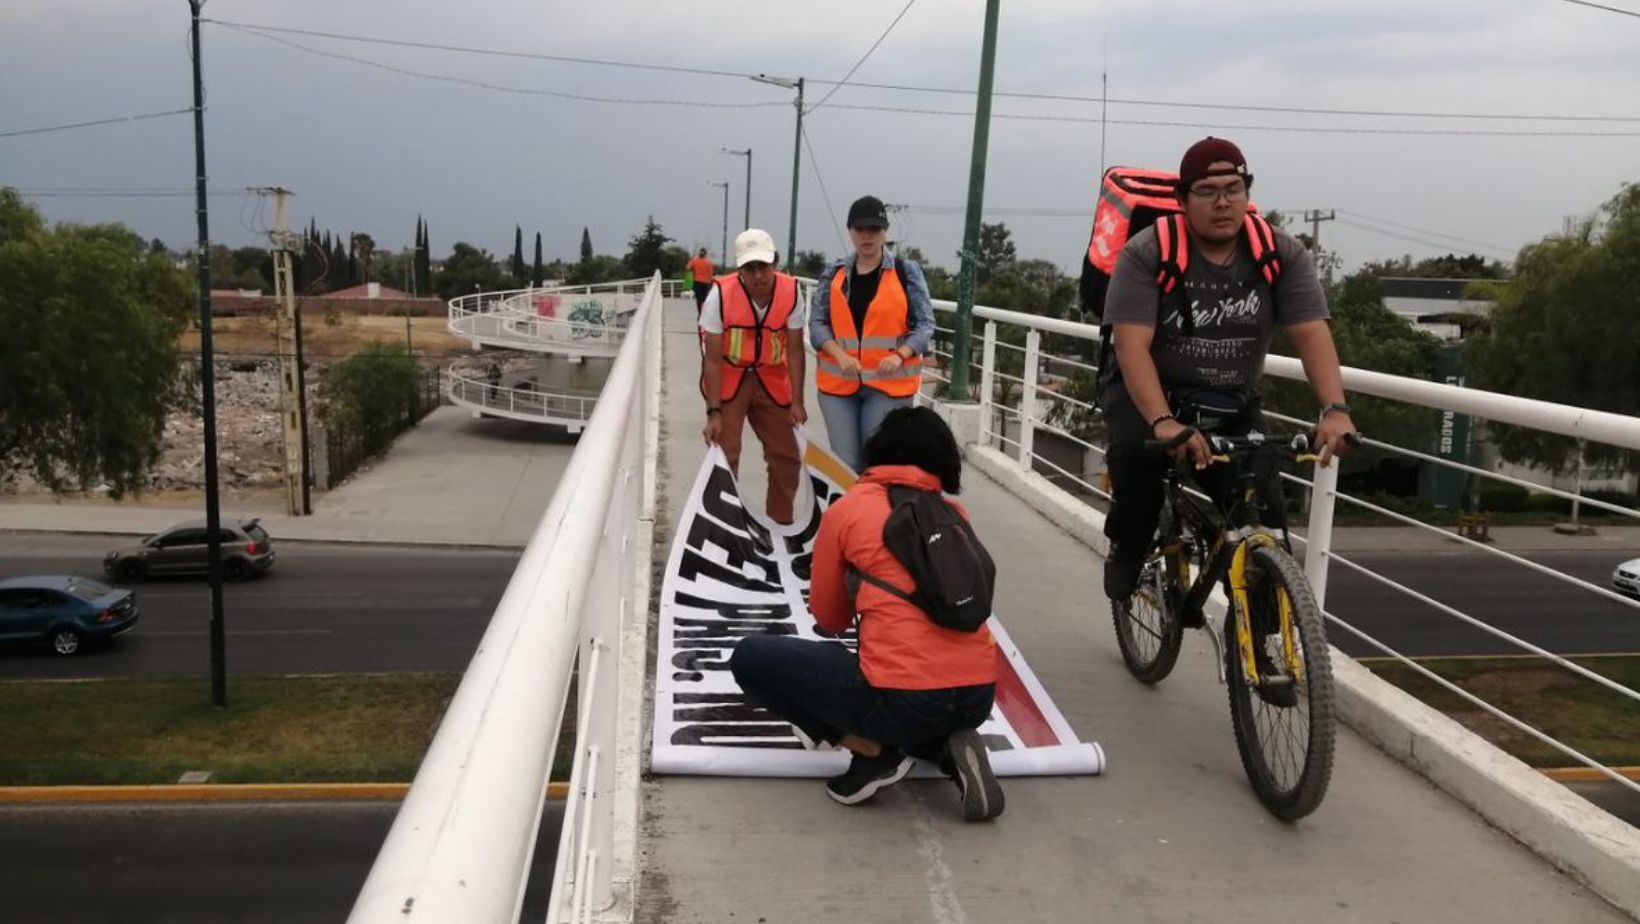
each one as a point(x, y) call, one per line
point(1150, 646)
point(1296, 788)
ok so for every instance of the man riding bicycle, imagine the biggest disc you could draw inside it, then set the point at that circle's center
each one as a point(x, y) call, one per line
point(1193, 305)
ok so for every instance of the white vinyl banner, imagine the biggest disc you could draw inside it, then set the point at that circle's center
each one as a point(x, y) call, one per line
point(732, 573)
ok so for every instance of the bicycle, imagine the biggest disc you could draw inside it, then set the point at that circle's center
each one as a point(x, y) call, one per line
point(1278, 669)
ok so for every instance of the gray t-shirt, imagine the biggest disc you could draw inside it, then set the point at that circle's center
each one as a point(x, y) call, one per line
point(1231, 305)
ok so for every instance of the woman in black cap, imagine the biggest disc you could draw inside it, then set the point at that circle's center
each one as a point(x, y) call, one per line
point(870, 321)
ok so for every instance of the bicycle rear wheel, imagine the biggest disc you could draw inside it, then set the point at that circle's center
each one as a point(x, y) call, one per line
point(1284, 731)
point(1148, 629)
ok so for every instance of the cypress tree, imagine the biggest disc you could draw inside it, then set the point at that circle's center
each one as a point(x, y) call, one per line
point(538, 276)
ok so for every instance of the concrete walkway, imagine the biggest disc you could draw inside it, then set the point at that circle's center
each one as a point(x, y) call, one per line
point(453, 480)
point(1170, 833)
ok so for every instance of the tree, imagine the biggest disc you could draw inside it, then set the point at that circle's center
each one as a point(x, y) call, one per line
point(600, 268)
point(424, 263)
point(1564, 329)
point(368, 392)
point(517, 265)
point(645, 251)
point(996, 251)
point(586, 245)
point(468, 269)
point(89, 365)
point(809, 263)
point(673, 259)
point(365, 247)
point(352, 260)
point(536, 277)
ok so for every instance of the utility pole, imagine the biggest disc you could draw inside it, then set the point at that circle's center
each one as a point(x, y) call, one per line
point(207, 380)
point(797, 158)
point(292, 401)
point(746, 153)
point(958, 388)
point(725, 252)
point(1315, 217)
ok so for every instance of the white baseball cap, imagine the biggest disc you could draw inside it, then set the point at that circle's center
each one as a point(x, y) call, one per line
point(754, 245)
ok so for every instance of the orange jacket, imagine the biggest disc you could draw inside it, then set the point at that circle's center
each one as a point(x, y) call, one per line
point(887, 322)
point(759, 347)
point(900, 647)
point(703, 269)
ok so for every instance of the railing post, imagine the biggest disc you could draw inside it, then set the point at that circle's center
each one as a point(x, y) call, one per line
point(1027, 399)
point(1318, 538)
point(987, 381)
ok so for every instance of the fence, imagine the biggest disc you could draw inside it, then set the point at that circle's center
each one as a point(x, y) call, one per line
point(461, 846)
point(343, 449)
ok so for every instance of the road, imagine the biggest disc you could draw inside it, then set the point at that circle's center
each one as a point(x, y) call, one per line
point(1541, 609)
point(216, 862)
point(322, 608)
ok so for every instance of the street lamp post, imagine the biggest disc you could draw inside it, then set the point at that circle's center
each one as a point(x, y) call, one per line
point(797, 158)
point(746, 153)
point(958, 387)
point(725, 252)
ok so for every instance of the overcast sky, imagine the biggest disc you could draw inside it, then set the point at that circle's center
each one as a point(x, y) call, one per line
point(368, 149)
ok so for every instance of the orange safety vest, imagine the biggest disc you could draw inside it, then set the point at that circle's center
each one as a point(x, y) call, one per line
point(753, 345)
point(703, 270)
point(888, 321)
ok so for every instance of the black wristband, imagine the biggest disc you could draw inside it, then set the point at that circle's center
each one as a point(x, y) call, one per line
point(1159, 419)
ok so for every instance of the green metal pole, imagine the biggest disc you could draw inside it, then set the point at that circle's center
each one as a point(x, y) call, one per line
point(959, 388)
point(797, 160)
point(207, 384)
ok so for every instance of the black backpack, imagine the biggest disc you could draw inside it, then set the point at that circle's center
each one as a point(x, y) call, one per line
point(955, 577)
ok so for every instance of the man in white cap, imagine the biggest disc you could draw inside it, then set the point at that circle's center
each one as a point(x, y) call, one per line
point(752, 327)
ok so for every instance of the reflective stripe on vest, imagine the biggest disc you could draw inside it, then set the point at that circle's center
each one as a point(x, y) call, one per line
point(756, 346)
point(887, 323)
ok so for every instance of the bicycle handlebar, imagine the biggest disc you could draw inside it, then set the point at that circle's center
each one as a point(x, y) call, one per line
point(1245, 444)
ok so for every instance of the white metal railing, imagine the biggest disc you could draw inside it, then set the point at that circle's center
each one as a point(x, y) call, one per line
point(1012, 423)
point(478, 392)
point(585, 320)
point(460, 848)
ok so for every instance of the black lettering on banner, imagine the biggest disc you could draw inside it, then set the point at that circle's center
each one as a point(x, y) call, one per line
point(720, 487)
point(686, 630)
point(730, 610)
point(741, 552)
point(692, 665)
point(802, 566)
point(801, 541)
point(695, 565)
point(736, 735)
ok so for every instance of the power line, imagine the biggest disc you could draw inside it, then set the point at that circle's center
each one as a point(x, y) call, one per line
point(1434, 245)
point(118, 194)
point(1301, 129)
point(1416, 229)
point(1609, 9)
point(815, 164)
point(1057, 97)
point(841, 83)
point(502, 88)
point(73, 125)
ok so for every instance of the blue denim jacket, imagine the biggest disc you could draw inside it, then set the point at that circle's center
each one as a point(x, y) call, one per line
point(920, 308)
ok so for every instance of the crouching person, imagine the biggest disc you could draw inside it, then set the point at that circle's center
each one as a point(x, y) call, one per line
point(917, 688)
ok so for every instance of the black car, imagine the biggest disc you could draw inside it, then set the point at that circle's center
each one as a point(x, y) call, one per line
point(64, 611)
point(183, 549)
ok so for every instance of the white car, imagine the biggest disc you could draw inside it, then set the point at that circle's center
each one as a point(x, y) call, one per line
point(1626, 577)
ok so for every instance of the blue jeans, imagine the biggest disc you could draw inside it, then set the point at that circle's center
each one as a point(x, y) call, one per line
point(818, 687)
point(851, 419)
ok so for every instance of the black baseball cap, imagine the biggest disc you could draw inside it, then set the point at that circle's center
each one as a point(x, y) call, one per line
point(867, 212)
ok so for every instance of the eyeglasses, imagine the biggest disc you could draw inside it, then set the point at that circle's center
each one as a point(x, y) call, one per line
point(1230, 192)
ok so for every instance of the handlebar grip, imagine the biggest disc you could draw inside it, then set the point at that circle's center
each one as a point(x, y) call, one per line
point(1182, 437)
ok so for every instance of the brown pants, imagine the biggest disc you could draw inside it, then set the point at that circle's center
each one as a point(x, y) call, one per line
point(773, 426)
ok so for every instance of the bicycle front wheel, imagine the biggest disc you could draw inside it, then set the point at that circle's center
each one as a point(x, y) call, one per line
point(1148, 629)
point(1284, 722)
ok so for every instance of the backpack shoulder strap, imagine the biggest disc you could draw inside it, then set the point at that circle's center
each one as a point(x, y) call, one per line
point(1171, 234)
point(1262, 239)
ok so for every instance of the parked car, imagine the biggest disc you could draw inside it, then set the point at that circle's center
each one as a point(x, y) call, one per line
point(183, 549)
point(64, 611)
point(1626, 577)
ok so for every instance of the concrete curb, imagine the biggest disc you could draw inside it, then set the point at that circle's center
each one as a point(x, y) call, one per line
point(217, 792)
point(1557, 824)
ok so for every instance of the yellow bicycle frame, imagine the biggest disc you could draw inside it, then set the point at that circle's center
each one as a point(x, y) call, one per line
point(1244, 613)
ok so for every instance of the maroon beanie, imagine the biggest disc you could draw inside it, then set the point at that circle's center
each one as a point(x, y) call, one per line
point(1207, 151)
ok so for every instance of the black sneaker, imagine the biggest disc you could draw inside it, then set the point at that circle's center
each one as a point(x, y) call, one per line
point(1121, 577)
point(970, 766)
point(866, 775)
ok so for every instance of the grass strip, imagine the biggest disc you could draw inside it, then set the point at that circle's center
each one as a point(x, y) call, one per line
point(355, 728)
point(1580, 713)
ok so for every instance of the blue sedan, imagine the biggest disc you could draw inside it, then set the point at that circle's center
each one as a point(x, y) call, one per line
point(63, 611)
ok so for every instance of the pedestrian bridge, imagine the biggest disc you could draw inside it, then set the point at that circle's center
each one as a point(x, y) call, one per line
point(1424, 821)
